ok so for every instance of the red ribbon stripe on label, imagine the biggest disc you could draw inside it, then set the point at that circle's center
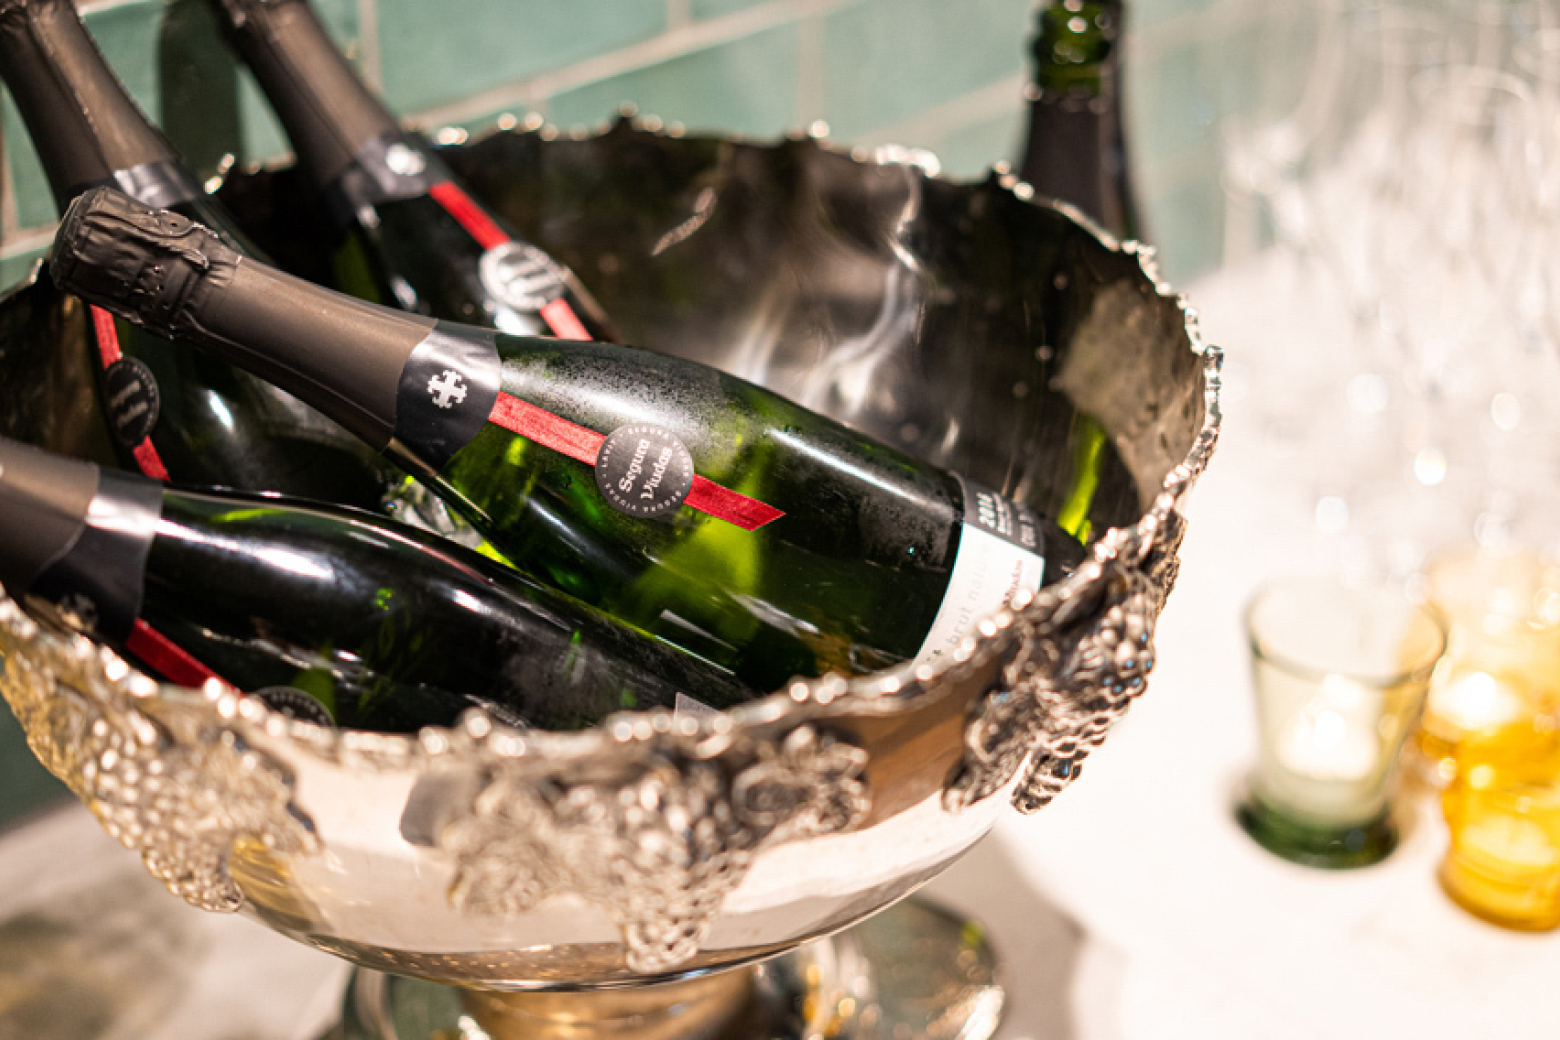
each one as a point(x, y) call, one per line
point(167, 658)
point(145, 453)
point(468, 214)
point(558, 315)
point(577, 442)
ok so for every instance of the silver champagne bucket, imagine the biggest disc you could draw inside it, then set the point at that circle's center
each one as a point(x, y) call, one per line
point(613, 872)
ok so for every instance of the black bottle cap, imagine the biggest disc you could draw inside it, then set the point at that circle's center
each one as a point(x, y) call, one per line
point(143, 264)
point(176, 279)
point(44, 501)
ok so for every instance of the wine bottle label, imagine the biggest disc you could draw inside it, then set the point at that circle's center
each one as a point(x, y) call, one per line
point(684, 706)
point(644, 470)
point(514, 273)
point(999, 553)
point(295, 704)
point(521, 276)
point(132, 400)
point(447, 389)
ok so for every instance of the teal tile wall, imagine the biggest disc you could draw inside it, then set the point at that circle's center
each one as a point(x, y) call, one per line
point(432, 57)
point(939, 74)
point(747, 86)
point(928, 73)
point(884, 60)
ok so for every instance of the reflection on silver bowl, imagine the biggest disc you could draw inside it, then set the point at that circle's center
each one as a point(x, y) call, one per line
point(966, 323)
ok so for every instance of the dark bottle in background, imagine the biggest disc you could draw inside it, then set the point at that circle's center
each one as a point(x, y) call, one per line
point(333, 615)
point(407, 233)
point(690, 504)
point(1076, 147)
point(175, 413)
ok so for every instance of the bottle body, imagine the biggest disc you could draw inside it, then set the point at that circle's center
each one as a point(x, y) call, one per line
point(1076, 144)
point(407, 234)
point(851, 574)
point(689, 503)
point(334, 614)
point(173, 413)
point(440, 253)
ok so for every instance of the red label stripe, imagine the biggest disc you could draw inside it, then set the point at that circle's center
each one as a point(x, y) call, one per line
point(107, 335)
point(145, 453)
point(558, 315)
point(150, 462)
point(577, 442)
point(546, 429)
point(468, 214)
point(723, 503)
point(167, 658)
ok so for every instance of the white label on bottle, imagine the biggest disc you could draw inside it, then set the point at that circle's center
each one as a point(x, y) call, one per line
point(687, 706)
point(993, 563)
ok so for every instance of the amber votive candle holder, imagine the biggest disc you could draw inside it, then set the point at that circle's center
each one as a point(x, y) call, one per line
point(1503, 809)
point(1502, 665)
point(1340, 674)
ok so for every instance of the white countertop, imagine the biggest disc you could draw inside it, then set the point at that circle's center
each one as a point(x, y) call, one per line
point(1219, 938)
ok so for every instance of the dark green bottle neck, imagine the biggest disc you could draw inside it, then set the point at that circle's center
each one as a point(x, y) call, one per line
point(1075, 47)
point(87, 129)
point(335, 122)
point(1076, 148)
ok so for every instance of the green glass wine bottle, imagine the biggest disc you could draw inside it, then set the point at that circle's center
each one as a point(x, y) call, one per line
point(334, 615)
point(1076, 145)
point(693, 505)
point(177, 414)
point(409, 234)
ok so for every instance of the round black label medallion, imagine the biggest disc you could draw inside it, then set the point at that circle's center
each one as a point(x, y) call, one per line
point(644, 470)
point(521, 276)
point(132, 400)
point(295, 704)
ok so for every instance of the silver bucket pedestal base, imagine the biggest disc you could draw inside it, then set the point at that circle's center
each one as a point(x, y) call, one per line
point(915, 970)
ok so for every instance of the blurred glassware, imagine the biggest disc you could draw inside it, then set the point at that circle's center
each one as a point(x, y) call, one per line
point(1351, 178)
point(1500, 676)
point(1503, 808)
point(1340, 673)
point(1408, 152)
point(1271, 76)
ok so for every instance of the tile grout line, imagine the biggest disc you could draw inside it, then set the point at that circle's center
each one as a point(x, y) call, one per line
point(86, 7)
point(27, 240)
point(533, 91)
point(368, 43)
point(10, 216)
point(811, 80)
point(987, 102)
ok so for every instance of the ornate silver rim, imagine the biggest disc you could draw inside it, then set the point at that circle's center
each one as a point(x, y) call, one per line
point(178, 774)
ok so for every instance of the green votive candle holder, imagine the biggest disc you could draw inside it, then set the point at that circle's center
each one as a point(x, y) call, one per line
point(1340, 673)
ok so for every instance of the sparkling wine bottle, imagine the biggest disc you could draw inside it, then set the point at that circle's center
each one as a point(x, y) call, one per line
point(330, 614)
point(409, 233)
point(693, 505)
point(1076, 148)
point(177, 414)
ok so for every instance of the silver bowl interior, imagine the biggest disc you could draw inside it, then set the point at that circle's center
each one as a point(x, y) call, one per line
point(969, 324)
